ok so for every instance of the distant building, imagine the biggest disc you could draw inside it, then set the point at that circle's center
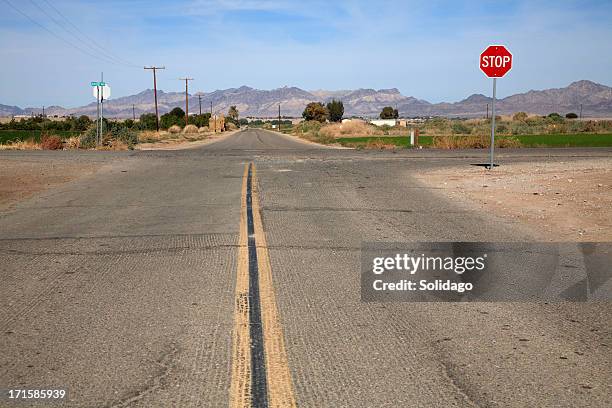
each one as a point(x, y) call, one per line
point(384, 122)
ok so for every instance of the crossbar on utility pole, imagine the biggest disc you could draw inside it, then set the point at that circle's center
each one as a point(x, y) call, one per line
point(154, 69)
point(186, 98)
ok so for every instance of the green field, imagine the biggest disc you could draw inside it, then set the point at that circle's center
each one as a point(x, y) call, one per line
point(561, 140)
point(17, 135)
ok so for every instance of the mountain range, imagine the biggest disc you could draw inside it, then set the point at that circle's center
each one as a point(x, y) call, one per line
point(596, 101)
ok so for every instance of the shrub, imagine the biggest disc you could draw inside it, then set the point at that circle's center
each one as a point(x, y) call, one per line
point(473, 142)
point(520, 116)
point(459, 128)
point(174, 129)
point(190, 129)
point(147, 121)
point(203, 129)
point(88, 139)
point(571, 115)
point(230, 126)
point(49, 142)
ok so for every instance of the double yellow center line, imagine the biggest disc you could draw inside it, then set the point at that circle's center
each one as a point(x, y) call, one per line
point(260, 369)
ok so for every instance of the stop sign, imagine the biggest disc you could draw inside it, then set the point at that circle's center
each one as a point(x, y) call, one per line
point(495, 61)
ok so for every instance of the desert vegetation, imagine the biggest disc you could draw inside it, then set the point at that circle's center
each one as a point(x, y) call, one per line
point(518, 130)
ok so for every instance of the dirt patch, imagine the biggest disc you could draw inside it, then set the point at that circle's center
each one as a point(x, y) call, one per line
point(559, 201)
point(185, 141)
point(23, 178)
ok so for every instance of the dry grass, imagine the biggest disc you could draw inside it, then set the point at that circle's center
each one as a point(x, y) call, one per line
point(29, 144)
point(190, 129)
point(379, 145)
point(473, 142)
point(354, 128)
point(204, 129)
point(72, 143)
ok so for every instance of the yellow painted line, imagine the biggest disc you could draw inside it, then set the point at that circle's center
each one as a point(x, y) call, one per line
point(280, 385)
point(240, 388)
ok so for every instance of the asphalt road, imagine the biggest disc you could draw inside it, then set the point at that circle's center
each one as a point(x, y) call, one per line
point(122, 286)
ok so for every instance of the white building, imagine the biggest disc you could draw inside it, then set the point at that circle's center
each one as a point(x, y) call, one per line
point(383, 122)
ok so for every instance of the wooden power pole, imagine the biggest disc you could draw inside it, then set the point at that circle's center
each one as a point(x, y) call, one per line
point(186, 98)
point(154, 69)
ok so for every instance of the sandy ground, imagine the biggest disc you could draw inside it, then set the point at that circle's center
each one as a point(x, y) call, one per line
point(23, 177)
point(558, 201)
point(173, 144)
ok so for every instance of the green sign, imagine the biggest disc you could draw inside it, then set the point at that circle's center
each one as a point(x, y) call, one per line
point(98, 84)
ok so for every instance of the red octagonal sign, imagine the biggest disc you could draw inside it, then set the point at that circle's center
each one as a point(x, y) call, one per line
point(495, 61)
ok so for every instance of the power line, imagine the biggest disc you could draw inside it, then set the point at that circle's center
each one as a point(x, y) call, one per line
point(57, 35)
point(84, 35)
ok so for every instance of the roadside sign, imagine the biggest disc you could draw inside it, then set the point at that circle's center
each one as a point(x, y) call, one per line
point(495, 61)
point(101, 91)
point(98, 83)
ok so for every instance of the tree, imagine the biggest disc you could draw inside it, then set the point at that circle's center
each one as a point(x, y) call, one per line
point(175, 117)
point(571, 115)
point(336, 110)
point(233, 112)
point(199, 120)
point(315, 111)
point(389, 113)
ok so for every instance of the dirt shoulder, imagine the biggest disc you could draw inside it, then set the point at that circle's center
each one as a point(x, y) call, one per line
point(23, 177)
point(180, 144)
point(559, 201)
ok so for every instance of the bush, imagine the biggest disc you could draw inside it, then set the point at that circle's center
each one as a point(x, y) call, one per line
point(459, 128)
point(88, 139)
point(49, 142)
point(174, 129)
point(571, 115)
point(148, 121)
point(520, 116)
point(190, 129)
point(204, 129)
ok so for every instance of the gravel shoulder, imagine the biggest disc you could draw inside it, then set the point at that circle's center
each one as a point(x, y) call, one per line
point(560, 201)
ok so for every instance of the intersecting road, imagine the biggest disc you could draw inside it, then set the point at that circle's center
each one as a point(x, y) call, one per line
point(135, 287)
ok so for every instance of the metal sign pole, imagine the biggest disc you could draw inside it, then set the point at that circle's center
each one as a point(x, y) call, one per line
point(493, 123)
point(98, 116)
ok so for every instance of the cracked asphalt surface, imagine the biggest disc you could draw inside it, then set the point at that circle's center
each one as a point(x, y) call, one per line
point(120, 285)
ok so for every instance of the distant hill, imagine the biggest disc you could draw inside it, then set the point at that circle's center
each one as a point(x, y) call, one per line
point(596, 100)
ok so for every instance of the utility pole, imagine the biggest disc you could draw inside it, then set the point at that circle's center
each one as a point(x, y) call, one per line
point(279, 129)
point(155, 92)
point(200, 101)
point(580, 111)
point(211, 118)
point(133, 112)
point(186, 98)
point(487, 111)
point(43, 113)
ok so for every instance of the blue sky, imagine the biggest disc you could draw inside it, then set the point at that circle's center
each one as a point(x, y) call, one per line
point(427, 49)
